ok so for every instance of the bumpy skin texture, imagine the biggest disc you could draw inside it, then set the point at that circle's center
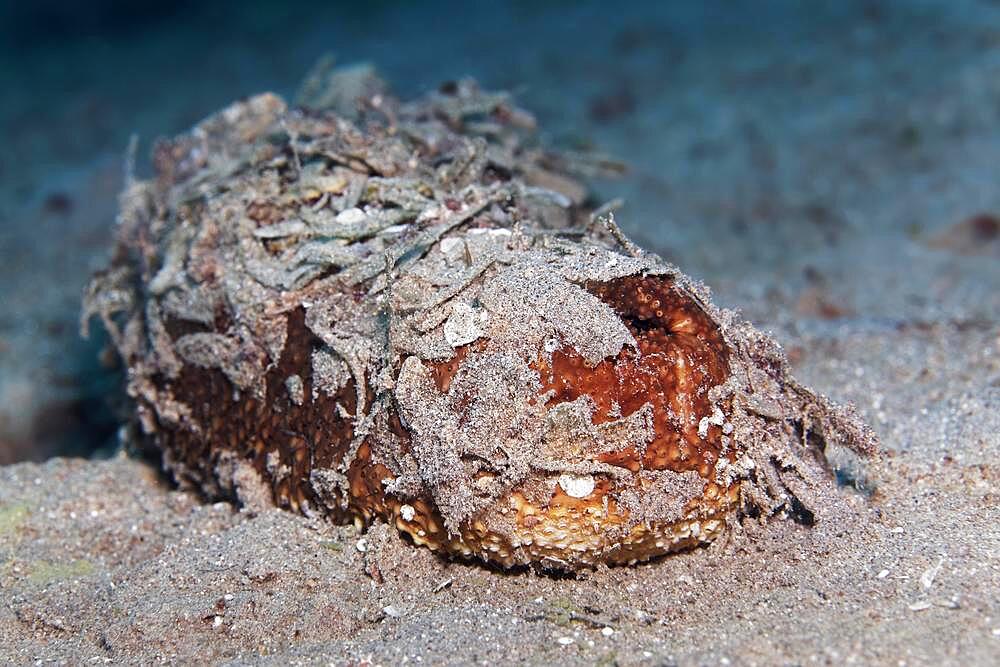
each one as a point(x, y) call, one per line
point(405, 312)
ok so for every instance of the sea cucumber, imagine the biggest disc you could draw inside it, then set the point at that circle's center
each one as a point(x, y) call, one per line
point(408, 312)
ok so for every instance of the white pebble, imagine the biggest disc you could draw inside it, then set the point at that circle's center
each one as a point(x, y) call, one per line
point(576, 486)
point(351, 216)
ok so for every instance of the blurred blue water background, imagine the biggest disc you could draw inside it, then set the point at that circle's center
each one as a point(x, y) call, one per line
point(791, 154)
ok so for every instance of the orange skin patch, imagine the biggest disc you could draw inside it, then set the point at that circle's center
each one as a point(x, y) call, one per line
point(681, 357)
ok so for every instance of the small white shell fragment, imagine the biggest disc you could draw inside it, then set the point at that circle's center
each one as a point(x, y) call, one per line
point(717, 419)
point(576, 486)
point(607, 631)
point(295, 388)
point(351, 216)
point(462, 326)
point(703, 428)
point(449, 245)
point(362, 545)
point(927, 578)
point(430, 213)
point(565, 641)
point(407, 512)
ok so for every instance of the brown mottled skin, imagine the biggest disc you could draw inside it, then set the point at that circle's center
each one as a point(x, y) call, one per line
point(681, 355)
point(303, 437)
